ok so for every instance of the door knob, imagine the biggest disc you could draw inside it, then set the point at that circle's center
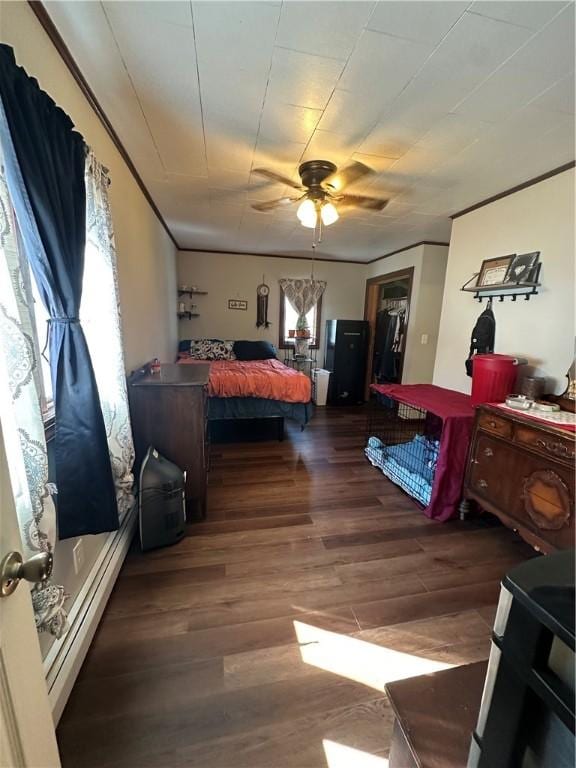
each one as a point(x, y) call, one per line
point(13, 569)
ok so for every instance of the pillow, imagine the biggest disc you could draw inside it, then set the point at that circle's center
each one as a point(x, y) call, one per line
point(254, 350)
point(211, 349)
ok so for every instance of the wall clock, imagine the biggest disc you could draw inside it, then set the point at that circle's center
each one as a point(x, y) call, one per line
point(262, 293)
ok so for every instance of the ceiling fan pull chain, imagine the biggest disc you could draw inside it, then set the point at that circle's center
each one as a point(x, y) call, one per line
point(313, 254)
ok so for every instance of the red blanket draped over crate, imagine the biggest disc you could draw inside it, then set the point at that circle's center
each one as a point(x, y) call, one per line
point(457, 414)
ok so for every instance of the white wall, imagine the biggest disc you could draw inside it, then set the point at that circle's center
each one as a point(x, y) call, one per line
point(146, 255)
point(539, 218)
point(429, 262)
point(235, 276)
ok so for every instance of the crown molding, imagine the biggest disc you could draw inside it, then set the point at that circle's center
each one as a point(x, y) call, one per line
point(271, 255)
point(49, 27)
point(309, 258)
point(406, 248)
point(513, 190)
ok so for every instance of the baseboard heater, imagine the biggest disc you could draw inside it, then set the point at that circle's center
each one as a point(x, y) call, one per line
point(66, 656)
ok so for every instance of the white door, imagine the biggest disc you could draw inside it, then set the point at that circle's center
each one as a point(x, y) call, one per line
point(27, 738)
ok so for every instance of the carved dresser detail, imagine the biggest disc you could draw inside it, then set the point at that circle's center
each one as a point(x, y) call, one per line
point(522, 471)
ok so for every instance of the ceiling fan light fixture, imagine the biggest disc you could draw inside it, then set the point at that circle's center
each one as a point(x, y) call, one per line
point(320, 179)
point(307, 213)
point(329, 214)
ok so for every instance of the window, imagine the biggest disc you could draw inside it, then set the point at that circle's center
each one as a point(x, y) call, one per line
point(288, 318)
point(97, 311)
point(36, 325)
point(40, 319)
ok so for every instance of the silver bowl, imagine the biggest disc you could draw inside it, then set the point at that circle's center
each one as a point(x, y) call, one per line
point(520, 402)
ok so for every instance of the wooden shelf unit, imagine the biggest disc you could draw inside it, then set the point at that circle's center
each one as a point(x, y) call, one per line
point(189, 314)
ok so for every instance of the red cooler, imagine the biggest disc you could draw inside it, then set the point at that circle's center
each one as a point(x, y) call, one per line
point(493, 378)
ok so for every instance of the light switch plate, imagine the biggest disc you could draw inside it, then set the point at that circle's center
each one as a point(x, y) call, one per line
point(78, 555)
point(424, 338)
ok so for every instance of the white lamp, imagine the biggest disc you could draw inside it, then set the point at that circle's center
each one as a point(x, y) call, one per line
point(307, 213)
point(329, 214)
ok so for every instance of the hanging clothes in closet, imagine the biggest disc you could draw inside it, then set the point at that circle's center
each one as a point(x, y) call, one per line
point(388, 340)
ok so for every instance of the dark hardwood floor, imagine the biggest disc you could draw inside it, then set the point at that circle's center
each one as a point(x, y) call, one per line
point(264, 639)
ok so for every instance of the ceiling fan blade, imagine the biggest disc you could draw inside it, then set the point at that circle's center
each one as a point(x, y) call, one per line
point(269, 205)
point(360, 201)
point(277, 177)
point(350, 174)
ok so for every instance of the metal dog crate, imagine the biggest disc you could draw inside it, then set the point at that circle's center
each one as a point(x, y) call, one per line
point(403, 441)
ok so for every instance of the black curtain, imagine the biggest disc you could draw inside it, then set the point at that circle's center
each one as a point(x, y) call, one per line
point(44, 159)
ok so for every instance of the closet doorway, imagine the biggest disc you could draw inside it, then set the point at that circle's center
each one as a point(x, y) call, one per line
point(387, 309)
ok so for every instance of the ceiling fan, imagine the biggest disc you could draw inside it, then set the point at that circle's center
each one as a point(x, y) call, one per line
point(322, 187)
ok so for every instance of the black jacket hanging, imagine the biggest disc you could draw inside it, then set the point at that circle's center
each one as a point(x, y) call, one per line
point(483, 335)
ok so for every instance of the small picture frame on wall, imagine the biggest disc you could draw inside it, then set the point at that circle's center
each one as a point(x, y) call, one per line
point(494, 271)
point(523, 268)
point(237, 304)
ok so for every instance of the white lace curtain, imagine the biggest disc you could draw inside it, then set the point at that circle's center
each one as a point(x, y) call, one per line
point(303, 294)
point(101, 320)
point(22, 424)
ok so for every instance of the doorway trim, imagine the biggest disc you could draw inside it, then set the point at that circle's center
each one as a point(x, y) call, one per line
point(371, 310)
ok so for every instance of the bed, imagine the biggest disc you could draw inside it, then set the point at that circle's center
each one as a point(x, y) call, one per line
point(260, 388)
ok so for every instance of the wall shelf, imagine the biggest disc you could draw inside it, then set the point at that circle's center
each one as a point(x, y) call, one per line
point(504, 290)
point(189, 292)
point(187, 315)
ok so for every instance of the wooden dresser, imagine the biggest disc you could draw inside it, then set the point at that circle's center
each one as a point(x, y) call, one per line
point(523, 471)
point(169, 410)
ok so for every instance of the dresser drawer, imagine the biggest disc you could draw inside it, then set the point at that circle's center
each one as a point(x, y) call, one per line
point(495, 424)
point(489, 462)
point(552, 446)
point(543, 499)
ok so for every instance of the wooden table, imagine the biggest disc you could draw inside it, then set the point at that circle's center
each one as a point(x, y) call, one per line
point(435, 717)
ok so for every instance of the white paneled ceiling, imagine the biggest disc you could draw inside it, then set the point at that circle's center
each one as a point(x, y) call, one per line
point(448, 102)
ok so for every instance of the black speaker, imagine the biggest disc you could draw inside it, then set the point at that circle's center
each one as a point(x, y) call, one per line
point(345, 358)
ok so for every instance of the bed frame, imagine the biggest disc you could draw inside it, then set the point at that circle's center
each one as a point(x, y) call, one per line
point(227, 410)
point(231, 409)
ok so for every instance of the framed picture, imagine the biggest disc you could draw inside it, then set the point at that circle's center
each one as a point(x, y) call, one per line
point(237, 304)
point(494, 271)
point(523, 268)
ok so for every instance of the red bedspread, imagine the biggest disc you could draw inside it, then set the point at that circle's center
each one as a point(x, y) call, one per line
point(269, 379)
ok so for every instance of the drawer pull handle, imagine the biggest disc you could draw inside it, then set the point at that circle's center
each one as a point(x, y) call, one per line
point(558, 449)
point(492, 424)
point(488, 452)
point(482, 483)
